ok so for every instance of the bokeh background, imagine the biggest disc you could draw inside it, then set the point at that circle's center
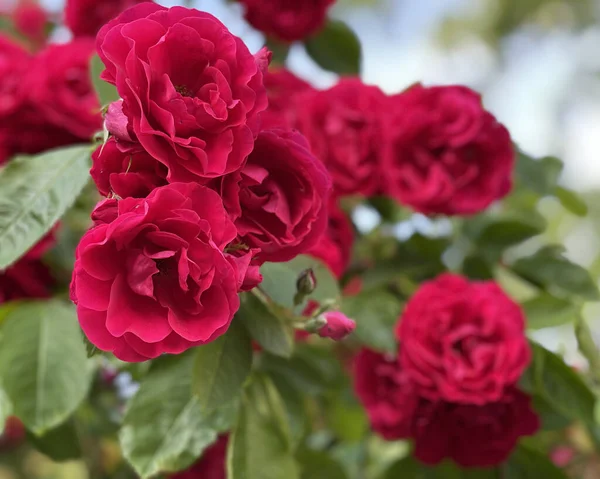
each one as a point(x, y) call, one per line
point(537, 64)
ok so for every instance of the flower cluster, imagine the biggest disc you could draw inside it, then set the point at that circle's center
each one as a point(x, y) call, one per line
point(199, 195)
point(452, 387)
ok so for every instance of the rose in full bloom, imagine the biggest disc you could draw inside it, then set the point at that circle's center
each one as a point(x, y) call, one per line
point(387, 394)
point(463, 341)
point(86, 17)
point(14, 62)
point(279, 198)
point(151, 276)
point(335, 246)
point(287, 20)
point(31, 20)
point(191, 90)
point(29, 277)
point(210, 466)
point(344, 128)
point(337, 327)
point(283, 88)
point(59, 89)
point(471, 435)
point(124, 169)
point(444, 152)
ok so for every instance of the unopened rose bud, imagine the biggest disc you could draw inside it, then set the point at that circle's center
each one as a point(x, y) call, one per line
point(337, 326)
point(306, 284)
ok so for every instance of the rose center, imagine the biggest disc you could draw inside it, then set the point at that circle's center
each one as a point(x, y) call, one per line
point(183, 91)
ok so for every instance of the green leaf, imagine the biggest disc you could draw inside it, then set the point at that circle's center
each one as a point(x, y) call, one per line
point(60, 444)
point(549, 268)
point(527, 463)
point(336, 48)
point(34, 193)
point(571, 201)
point(221, 367)
point(319, 465)
point(107, 93)
point(165, 427)
point(5, 408)
point(503, 233)
point(561, 387)
point(409, 467)
point(43, 364)
point(260, 447)
point(279, 282)
point(270, 331)
point(546, 311)
point(551, 419)
point(375, 313)
point(295, 407)
point(541, 175)
point(476, 267)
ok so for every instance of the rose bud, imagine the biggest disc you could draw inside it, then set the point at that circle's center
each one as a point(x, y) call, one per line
point(337, 326)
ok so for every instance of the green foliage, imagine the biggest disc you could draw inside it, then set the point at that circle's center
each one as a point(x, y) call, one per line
point(221, 367)
point(34, 193)
point(319, 465)
point(60, 444)
point(260, 446)
point(5, 408)
point(336, 48)
point(526, 463)
point(106, 92)
point(545, 310)
point(43, 365)
point(165, 427)
point(411, 468)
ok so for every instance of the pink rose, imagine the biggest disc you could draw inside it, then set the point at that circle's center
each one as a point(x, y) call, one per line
point(338, 326)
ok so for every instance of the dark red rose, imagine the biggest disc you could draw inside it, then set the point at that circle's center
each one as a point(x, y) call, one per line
point(13, 435)
point(283, 87)
point(471, 435)
point(210, 466)
point(463, 341)
point(444, 153)
point(387, 394)
point(191, 90)
point(335, 246)
point(29, 277)
point(60, 90)
point(86, 17)
point(14, 62)
point(344, 129)
point(124, 169)
point(151, 276)
point(287, 20)
point(279, 198)
point(31, 20)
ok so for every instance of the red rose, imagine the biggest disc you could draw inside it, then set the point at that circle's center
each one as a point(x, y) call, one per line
point(343, 127)
point(29, 277)
point(60, 90)
point(210, 466)
point(191, 90)
point(338, 326)
point(151, 277)
point(279, 198)
point(387, 394)
point(283, 87)
point(86, 17)
point(463, 342)
point(335, 246)
point(473, 436)
point(287, 20)
point(13, 435)
point(444, 152)
point(31, 20)
point(126, 170)
point(14, 62)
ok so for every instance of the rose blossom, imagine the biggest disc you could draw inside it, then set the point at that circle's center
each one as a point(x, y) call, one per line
point(444, 153)
point(283, 88)
point(471, 435)
point(210, 466)
point(386, 392)
point(151, 276)
point(344, 128)
point(191, 90)
point(337, 326)
point(14, 61)
point(287, 20)
point(60, 90)
point(463, 341)
point(86, 17)
point(335, 246)
point(31, 20)
point(279, 198)
point(126, 170)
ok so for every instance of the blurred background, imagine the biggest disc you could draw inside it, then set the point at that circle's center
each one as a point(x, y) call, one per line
point(537, 64)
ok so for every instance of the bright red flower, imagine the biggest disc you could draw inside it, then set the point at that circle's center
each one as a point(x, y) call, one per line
point(152, 276)
point(463, 341)
point(191, 90)
point(287, 20)
point(444, 152)
point(283, 87)
point(86, 17)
